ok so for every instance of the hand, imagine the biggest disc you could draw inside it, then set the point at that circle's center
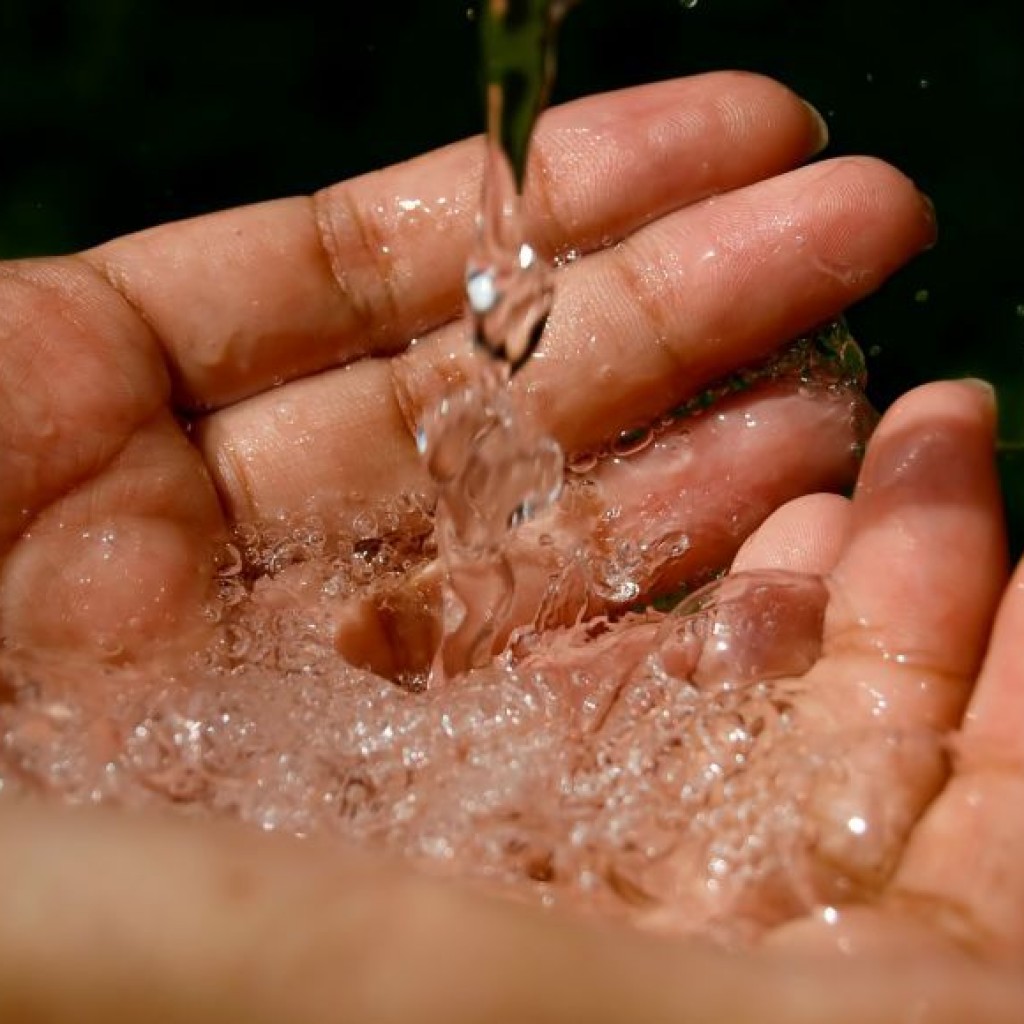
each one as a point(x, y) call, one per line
point(159, 388)
point(123, 510)
point(207, 921)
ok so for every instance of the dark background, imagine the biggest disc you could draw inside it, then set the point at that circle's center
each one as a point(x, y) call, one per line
point(116, 114)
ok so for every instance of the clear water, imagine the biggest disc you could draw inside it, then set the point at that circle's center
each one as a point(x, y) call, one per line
point(655, 767)
point(566, 747)
point(491, 469)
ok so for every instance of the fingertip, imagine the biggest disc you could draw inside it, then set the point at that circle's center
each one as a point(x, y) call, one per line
point(819, 133)
point(971, 400)
point(805, 535)
point(869, 199)
point(926, 557)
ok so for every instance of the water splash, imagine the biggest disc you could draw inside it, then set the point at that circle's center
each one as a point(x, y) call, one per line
point(493, 471)
point(660, 769)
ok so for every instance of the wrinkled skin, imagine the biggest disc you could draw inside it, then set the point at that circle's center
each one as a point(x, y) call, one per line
point(157, 389)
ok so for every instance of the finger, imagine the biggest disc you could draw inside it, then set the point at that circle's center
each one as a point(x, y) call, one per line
point(635, 330)
point(224, 896)
point(807, 535)
point(911, 603)
point(122, 562)
point(921, 575)
point(79, 373)
point(247, 298)
point(963, 869)
point(996, 712)
point(644, 525)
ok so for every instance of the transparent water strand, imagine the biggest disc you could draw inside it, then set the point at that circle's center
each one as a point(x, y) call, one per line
point(508, 285)
point(492, 470)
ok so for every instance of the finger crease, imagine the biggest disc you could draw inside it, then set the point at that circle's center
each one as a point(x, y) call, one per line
point(548, 219)
point(635, 283)
point(375, 308)
point(944, 914)
point(231, 481)
point(403, 395)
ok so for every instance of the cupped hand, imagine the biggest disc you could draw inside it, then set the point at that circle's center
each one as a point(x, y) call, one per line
point(257, 363)
point(203, 921)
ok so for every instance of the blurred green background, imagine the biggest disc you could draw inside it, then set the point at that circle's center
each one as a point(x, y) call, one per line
point(117, 114)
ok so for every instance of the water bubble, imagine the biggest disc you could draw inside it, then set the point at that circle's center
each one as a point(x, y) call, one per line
point(856, 825)
point(581, 462)
point(364, 525)
point(229, 561)
point(632, 442)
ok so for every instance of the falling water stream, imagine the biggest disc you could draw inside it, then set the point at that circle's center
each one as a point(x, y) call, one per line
point(492, 469)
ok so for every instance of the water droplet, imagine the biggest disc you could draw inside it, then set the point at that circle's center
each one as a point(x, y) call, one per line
point(482, 290)
point(527, 256)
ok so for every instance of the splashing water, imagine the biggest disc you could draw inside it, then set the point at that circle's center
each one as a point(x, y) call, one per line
point(492, 471)
point(656, 769)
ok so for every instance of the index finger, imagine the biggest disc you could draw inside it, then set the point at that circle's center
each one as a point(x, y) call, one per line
point(249, 298)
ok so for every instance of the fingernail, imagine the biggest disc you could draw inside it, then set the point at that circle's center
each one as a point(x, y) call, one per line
point(820, 127)
point(931, 217)
point(983, 387)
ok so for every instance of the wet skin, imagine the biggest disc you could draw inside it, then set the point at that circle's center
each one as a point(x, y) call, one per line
point(142, 389)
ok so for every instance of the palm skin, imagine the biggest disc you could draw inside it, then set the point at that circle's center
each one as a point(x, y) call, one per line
point(160, 388)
